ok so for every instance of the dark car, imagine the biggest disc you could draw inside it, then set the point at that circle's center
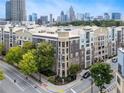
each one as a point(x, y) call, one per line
point(114, 60)
point(86, 75)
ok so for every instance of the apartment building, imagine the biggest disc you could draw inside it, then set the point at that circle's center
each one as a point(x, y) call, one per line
point(7, 37)
point(100, 44)
point(120, 73)
point(72, 45)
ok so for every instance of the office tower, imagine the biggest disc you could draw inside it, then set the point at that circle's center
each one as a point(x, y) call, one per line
point(106, 16)
point(51, 18)
point(87, 16)
point(30, 18)
point(62, 16)
point(43, 20)
point(34, 17)
point(116, 16)
point(18, 10)
point(71, 14)
point(8, 10)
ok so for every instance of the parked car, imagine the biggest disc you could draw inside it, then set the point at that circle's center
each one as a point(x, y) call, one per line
point(86, 75)
point(114, 60)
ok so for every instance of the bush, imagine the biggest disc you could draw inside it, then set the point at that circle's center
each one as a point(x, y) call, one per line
point(51, 79)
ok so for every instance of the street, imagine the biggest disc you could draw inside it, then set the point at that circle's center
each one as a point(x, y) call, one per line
point(85, 85)
point(21, 85)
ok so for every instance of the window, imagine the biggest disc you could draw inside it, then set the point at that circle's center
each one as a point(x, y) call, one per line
point(67, 58)
point(63, 65)
point(87, 37)
point(99, 52)
point(63, 44)
point(63, 58)
point(88, 52)
point(66, 44)
point(63, 73)
point(119, 68)
point(88, 58)
point(99, 48)
point(59, 44)
point(59, 64)
point(67, 64)
point(67, 50)
point(87, 45)
point(102, 51)
point(63, 51)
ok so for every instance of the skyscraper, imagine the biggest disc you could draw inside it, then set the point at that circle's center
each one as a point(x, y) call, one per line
point(18, 10)
point(8, 10)
point(62, 16)
point(34, 17)
point(51, 18)
point(106, 16)
point(71, 14)
point(116, 16)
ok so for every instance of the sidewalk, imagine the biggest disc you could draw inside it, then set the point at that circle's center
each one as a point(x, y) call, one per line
point(56, 88)
point(51, 88)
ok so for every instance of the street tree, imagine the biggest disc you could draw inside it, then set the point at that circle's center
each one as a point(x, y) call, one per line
point(28, 63)
point(28, 46)
point(73, 70)
point(101, 74)
point(1, 48)
point(45, 56)
point(1, 75)
point(14, 55)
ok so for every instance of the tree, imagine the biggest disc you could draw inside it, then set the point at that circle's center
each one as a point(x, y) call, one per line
point(28, 46)
point(45, 56)
point(1, 48)
point(1, 75)
point(28, 63)
point(14, 55)
point(74, 68)
point(101, 74)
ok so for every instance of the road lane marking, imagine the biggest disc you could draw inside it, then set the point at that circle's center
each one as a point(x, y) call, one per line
point(21, 79)
point(22, 89)
point(73, 90)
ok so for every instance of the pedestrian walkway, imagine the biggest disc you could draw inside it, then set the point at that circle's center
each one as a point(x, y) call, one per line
point(111, 89)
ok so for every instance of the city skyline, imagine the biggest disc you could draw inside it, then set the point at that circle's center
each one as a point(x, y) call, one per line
point(45, 7)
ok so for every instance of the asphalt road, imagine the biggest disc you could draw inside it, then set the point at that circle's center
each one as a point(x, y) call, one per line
point(85, 85)
point(21, 86)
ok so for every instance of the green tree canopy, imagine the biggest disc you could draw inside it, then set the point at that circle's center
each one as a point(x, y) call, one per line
point(74, 68)
point(1, 48)
point(1, 75)
point(28, 46)
point(101, 74)
point(14, 55)
point(28, 63)
point(45, 56)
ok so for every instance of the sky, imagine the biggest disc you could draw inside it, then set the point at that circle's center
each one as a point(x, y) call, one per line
point(45, 7)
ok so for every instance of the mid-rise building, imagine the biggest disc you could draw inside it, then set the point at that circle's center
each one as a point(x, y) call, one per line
point(73, 45)
point(120, 72)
